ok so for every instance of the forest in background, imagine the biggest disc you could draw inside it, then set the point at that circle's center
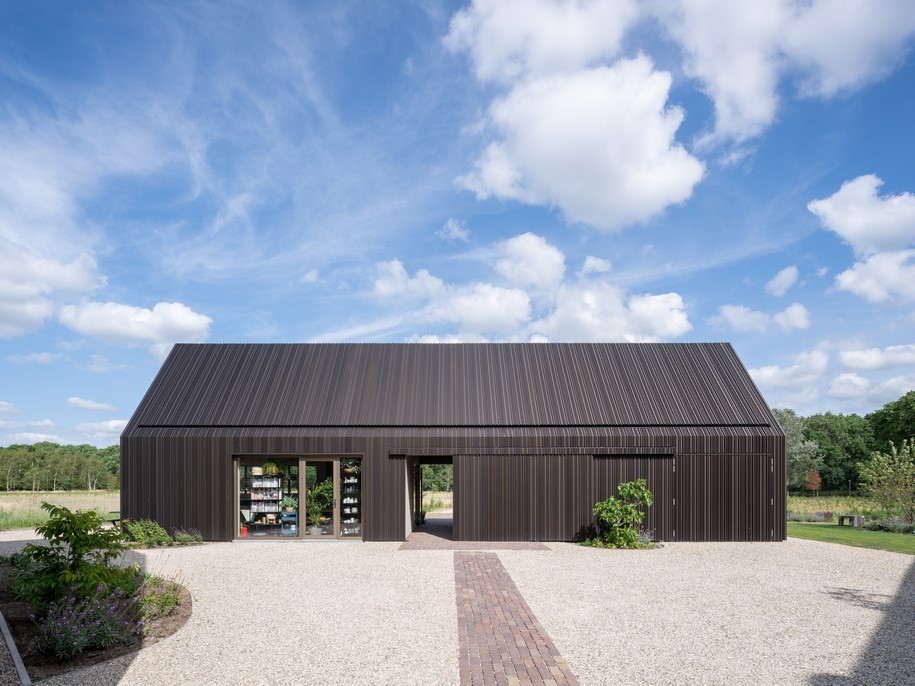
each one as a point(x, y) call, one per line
point(52, 467)
point(835, 445)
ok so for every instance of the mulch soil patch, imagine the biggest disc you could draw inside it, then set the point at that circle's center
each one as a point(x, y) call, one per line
point(41, 666)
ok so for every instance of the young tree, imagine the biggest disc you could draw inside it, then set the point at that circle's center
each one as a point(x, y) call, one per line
point(814, 482)
point(802, 454)
point(890, 478)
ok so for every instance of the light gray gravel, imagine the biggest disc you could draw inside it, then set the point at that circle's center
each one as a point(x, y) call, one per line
point(799, 612)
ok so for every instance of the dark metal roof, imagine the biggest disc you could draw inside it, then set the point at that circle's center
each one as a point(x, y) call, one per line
point(452, 385)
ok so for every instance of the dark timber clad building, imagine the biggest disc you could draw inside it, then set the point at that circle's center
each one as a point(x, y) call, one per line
point(537, 433)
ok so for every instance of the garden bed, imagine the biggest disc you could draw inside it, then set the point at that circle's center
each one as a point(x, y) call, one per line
point(40, 665)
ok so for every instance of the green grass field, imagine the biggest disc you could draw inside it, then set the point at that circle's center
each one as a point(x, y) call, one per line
point(839, 504)
point(22, 509)
point(847, 535)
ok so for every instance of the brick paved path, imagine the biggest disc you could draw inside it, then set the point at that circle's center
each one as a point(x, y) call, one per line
point(501, 641)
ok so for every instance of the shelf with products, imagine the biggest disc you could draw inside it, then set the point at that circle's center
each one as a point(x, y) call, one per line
point(266, 494)
point(351, 505)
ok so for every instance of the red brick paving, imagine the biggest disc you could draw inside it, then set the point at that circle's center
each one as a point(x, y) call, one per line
point(501, 641)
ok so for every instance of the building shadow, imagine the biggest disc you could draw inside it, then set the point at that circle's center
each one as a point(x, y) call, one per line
point(890, 654)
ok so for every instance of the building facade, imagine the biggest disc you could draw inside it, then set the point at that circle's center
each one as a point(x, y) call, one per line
point(325, 440)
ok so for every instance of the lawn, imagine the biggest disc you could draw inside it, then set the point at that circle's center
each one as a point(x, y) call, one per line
point(847, 535)
point(839, 504)
point(22, 509)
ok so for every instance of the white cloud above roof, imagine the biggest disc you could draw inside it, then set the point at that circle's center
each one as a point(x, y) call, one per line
point(160, 327)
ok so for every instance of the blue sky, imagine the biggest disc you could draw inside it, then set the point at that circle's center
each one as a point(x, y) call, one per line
point(434, 171)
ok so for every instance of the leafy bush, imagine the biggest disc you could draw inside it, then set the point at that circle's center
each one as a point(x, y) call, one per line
point(618, 517)
point(75, 624)
point(895, 525)
point(810, 516)
point(187, 536)
point(75, 561)
point(148, 533)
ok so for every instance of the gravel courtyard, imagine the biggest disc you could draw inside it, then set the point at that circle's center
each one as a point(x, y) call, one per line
point(799, 612)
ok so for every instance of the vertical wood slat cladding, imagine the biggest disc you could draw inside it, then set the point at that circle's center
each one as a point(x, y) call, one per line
point(521, 421)
point(610, 472)
point(455, 385)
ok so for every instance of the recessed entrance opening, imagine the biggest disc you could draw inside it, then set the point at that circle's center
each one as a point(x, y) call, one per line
point(432, 488)
point(299, 497)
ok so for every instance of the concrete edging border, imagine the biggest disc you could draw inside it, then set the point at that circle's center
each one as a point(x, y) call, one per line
point(14, 653)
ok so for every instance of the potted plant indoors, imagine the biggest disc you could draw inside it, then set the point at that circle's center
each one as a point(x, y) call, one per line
point(317, 500)
point(290, 504)
point(271, 468)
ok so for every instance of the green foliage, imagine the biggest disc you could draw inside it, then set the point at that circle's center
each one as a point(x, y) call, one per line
point(147, 533)
point(438, 477)
point(51, 467)
point(844, 441)
point(802, 454)
point(893, 422)
point(187, 536)
point(157, 598)
point(77, 558)
point(318, 499)
point(618, 517)
point(889, 478)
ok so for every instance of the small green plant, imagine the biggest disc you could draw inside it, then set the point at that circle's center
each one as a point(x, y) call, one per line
point(289, 501)
point(270, 468)
point(157, 598)
point(618, 517)
point(77, 559)
point(75, 624)
point(187, 536)
point(147, 533)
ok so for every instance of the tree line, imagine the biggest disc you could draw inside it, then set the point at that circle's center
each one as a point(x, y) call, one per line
point(838, 446)
point(51, 467)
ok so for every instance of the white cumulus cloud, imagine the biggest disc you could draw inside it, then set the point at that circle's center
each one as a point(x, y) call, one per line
point(742, 319)
point(795, 316)
point(849, 386)
point(393, 279)
point(160, 327)
point(741, 51)
point(484, 308)
point(808, 368)
point(595, 265)
point(603, 312)
point(510, 40)
point(29, 285)
point(453, 230)
point(6, 406)
point(598, 144)
point(881, 277)
point(779, 284)
point(867, 221)
point(529, 260)
point(879, 358)
point(109, 429)
point(83, 404)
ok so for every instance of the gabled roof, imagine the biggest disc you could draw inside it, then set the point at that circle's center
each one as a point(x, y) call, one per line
point(452, 385)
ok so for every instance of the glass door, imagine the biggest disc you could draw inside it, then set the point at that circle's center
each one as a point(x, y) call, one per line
point(322, 487)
